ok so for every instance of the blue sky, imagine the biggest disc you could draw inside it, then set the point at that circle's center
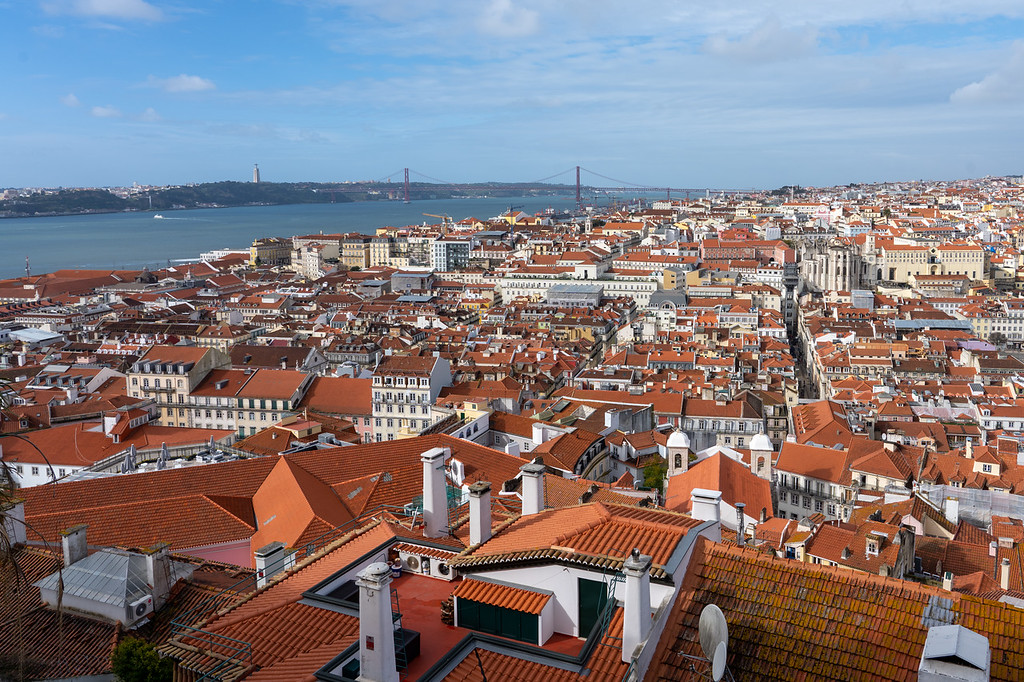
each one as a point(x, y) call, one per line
point(760, 93)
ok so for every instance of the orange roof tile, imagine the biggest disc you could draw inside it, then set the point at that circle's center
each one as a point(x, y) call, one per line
point(505, 596)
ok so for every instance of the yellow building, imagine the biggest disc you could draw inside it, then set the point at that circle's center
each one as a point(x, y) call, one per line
point(270, 251)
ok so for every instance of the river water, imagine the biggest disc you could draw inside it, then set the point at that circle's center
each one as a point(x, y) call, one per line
point(132, 240)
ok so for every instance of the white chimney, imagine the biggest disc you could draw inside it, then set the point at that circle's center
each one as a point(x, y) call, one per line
point(1004, 574)
point(953, 510)
point(14, 521)
point(270, 560)
point(376, 626)
point(479, 513)
point(74, 544)
point(435, 497)
point(740, 506)
point(947, 581)
point(532, 487)
point(706, 505)
point(158, 572)
point(636, 617)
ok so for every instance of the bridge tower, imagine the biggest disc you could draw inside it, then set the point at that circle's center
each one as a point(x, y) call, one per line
point(407, 185)
point(579, 199)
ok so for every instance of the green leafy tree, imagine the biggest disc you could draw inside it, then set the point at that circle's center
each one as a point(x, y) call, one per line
point(654, 474)
point(135, 660)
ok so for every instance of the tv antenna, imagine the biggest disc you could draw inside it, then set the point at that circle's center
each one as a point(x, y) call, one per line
point(714, 643)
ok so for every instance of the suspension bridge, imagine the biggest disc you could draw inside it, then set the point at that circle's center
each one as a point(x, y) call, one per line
point(419, 181)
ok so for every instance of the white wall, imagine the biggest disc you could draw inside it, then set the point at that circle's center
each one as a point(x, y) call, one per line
point(562, 581)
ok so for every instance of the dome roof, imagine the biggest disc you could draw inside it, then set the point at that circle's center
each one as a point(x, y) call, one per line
point(678, 439)
point(761, 442)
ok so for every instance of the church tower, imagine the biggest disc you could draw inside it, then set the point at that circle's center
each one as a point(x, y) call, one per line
point(761, 451)
point(678, 453)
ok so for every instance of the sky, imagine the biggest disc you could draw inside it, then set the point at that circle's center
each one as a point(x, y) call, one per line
point(753, 94)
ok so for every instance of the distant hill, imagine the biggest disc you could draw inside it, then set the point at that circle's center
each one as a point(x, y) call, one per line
point(207, 195)
point(225, 194)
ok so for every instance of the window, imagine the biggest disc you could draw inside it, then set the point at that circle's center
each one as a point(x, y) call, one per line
point(818, 505)
point(135, 381)
point(807, 502)
point(35, 471)
point(263, 416)
point(391, 423)
point(252, 416)
point(377, 421)
point(782, 496)
point(987, 468)
point(63, 473)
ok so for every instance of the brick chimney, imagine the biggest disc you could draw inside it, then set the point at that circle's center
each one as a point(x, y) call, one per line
point(636, 617)
point(435, 496)
point(376, 627)
point(532, 487)
point(74, 544)
point(479, 513)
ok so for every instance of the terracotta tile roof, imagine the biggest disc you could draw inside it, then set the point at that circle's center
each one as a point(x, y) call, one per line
point(288, 502)
point(720, 472)
point(272, 620)
point(823, 464)
point(339, 395)
point(791, 620)
point(505, 596)
point(604, 665)
point(593, 534)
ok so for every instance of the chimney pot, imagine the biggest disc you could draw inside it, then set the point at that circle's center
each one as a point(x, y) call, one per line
point(739, 523)
point(73, 542)
point(705, 506)
point(435, 496)
point(1004, 574)
point(479, 513)
point(376, 626)
point(947, 581)
point(533, 487)
point(636, 623)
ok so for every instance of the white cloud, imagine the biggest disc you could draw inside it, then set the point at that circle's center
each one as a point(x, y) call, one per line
point(769, 42)
point(69, 100)
point(503, 18)
point(106, 112)
point(149, 115)
point(108, 9)
point(181, 83)
point(1002, 85)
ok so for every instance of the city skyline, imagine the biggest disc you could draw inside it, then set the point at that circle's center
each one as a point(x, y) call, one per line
point(111, 92)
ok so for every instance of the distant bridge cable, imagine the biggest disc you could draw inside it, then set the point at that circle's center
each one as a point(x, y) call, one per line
point(620, 182)
point(441, 182)
point(387, 178)
point(552, 177)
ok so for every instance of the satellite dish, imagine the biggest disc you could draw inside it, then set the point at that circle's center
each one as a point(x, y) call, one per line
point(713, 630)
point(718, 662)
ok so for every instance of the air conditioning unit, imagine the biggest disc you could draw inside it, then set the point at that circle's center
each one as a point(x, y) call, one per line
point(140, 608)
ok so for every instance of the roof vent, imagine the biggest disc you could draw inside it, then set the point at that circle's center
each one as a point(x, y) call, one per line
point(952, 652)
